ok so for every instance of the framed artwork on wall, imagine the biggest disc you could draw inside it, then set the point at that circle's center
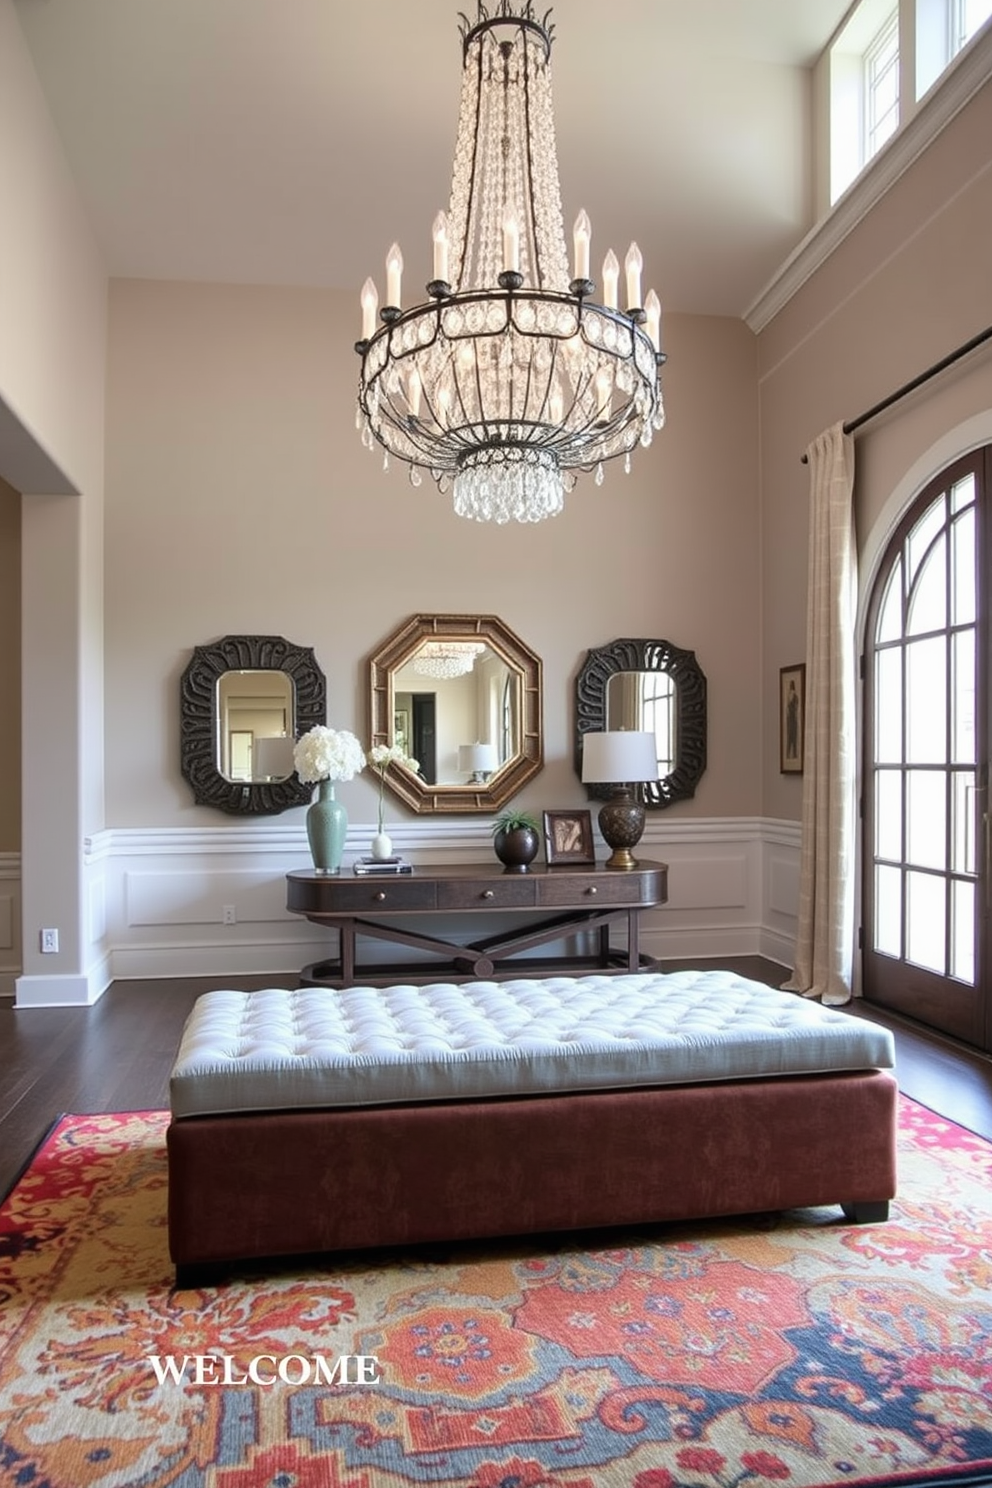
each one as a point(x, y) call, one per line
point(791, 718)
point(401, 729)
point(568, 837)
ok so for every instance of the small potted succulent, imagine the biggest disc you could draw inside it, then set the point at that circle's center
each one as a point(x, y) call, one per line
point(516, 840)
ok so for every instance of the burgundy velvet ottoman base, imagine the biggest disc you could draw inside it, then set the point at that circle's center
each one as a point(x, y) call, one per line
point(284, 1183)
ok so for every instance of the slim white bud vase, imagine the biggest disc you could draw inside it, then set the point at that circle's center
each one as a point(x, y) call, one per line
point(382, 846)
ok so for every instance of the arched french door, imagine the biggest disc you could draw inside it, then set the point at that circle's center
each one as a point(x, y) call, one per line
point(927, 831)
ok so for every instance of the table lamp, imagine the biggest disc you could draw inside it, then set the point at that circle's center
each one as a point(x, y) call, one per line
point(478, 761)
point(622, 758)
point(272, 757)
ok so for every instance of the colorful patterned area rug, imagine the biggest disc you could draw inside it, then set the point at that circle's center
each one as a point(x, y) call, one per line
point(792, 1349)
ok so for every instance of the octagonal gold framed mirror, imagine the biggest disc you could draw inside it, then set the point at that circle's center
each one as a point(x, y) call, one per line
point(462, 694)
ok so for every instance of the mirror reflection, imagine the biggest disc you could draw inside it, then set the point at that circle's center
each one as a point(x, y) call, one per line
point(646, 702)
point(456, 709)
point(462, 694)
point(255, 724)
point(243, 700)
point(647, 686)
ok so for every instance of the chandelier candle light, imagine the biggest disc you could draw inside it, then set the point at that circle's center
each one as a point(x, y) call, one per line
point(510, 378)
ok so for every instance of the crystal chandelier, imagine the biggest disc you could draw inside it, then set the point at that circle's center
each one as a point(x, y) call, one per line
point(446, 659)
point(511, 377)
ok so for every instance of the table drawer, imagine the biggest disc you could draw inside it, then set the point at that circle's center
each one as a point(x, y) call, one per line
point(514, 891)
point(370, 895)
point(576, 891)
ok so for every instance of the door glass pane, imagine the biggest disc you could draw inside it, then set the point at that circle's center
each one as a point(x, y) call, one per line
point(962, 493)
point(890, 614)
point(962, 699)
point(925, 818)
point(888, 910)
point(963, 931)
point(923, 533)
point(926, 704)
point(888, 814)
point(925, 921)
point(888, 707)
point(928, 600)
point(964, 827)
point(963, 569)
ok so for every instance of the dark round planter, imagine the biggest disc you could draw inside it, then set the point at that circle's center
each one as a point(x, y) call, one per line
point(516, 850)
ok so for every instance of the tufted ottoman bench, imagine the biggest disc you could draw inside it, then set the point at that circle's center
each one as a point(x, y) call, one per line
point(320, 1120)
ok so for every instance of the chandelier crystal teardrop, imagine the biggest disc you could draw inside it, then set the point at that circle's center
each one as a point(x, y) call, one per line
point(510, 378)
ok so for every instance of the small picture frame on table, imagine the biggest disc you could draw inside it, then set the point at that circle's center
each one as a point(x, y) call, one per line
point(791, 718)
point(568, 838)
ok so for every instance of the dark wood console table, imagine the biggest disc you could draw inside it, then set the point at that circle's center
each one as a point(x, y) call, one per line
point(573, 900)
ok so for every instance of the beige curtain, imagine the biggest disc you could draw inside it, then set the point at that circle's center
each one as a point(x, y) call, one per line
point(825, 939)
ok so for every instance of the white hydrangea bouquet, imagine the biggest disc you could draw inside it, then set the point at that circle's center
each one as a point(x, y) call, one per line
point(379, 758)
point(327, 754)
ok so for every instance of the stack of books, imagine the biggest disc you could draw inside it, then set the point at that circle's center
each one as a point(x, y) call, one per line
point(383, 865)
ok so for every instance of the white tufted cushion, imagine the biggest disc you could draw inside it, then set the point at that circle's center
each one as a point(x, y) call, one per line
point(274, 1050)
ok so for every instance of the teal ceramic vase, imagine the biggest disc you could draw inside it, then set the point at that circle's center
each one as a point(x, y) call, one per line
point(327, 827)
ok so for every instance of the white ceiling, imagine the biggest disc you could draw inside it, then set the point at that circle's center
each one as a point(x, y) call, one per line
point(291, 141)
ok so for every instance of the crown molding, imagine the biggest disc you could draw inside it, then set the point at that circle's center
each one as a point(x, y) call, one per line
point(967, 75)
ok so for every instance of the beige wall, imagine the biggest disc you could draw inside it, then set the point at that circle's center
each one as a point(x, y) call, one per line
point(10, 669)
point(51, 280)
point(239, 498)
point(53, 313)
point(909, 284)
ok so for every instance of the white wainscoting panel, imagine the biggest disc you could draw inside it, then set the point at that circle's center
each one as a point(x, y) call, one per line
point(157, 898)
point(714, 906)
point(780, 890)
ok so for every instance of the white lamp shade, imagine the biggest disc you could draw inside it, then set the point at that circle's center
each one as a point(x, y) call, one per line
point(272, 757)
point(476, 757)
point(619, 756)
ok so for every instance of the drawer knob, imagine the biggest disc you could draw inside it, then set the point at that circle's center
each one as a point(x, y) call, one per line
point(592, 889)
point(381, 895)
point(487, 894)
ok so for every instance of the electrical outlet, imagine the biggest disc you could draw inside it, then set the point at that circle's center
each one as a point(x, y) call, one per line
point(49, 941)
point(230, 914)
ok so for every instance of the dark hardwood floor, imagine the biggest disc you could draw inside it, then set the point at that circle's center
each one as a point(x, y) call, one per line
point(116, 1056)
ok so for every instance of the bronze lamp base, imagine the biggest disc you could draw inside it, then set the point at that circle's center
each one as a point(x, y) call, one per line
point(621, 821)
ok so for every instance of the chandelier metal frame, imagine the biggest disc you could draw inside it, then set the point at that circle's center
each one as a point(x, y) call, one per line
point(509, 382)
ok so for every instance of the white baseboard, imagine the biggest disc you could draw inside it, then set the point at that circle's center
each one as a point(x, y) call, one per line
point(54, 991)
point(775, 946)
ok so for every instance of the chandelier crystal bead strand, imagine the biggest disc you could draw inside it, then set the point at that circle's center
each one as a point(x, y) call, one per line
point(510, 378)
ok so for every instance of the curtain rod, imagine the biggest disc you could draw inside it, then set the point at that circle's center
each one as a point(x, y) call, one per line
point(909, 387)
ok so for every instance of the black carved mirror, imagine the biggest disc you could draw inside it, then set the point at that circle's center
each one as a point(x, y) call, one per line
point(462, 695)
point(652, 686)
point(244, 700)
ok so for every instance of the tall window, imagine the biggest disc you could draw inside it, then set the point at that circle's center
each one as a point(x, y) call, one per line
point(927, 824)
point(881, 42)
point(881, 86)
point(966, 18)
point(657, 715)
point(944, 28)
point(864, 90)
